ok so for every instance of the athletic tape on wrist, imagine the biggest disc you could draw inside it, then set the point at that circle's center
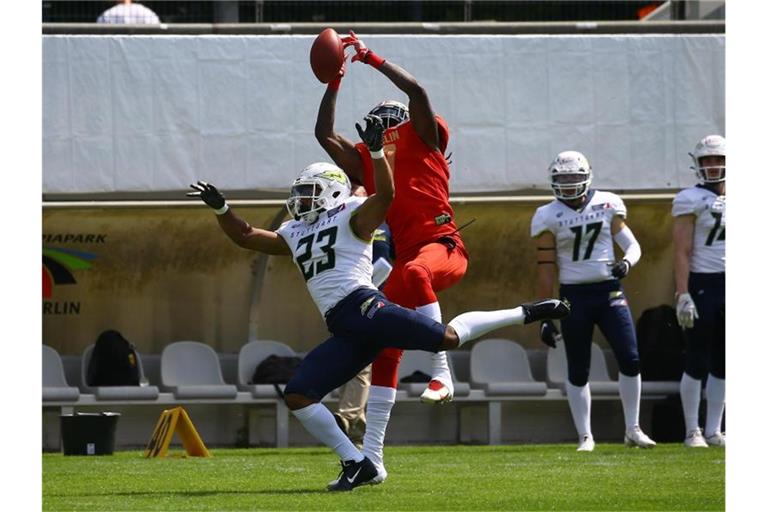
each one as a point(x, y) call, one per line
point(222, 210)
point(373, 60)
point(377, 155)
point(335, 84)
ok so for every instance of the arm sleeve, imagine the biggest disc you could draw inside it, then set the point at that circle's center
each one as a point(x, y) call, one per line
point(619, 208)
point(538, 223)
point(629, 244)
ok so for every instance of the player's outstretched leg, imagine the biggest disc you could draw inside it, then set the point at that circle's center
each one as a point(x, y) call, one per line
point(474, 324)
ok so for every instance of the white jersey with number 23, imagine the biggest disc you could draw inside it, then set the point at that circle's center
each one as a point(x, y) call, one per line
point(332, 259)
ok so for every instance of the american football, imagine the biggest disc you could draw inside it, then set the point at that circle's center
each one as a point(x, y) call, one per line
point(326, 55)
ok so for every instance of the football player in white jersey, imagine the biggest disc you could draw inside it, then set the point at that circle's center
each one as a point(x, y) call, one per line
point(575, 235)
point(699, 236)
point(330, 240)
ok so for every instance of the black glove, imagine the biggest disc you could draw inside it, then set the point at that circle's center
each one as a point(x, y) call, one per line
point(549, 333)
point(209, 194)
point(373, 136)
point(620, 269)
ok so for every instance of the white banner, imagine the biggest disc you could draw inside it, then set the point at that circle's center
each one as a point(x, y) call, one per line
point(155, 113)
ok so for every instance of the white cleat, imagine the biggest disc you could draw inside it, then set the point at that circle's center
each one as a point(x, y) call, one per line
point(695, 439)
point(636, 437)
point(437, 393)
point(586, 444)
point(716, 439)
point(381, 476)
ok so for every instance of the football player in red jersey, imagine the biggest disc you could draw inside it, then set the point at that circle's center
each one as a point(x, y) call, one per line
point(429, 253)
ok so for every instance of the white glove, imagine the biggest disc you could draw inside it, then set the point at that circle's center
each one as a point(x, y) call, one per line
point(686, 311)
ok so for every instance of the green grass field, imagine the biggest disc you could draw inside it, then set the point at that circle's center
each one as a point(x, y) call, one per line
point(520, 477)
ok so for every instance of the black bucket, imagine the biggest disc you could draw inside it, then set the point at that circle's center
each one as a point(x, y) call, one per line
point(88, 433)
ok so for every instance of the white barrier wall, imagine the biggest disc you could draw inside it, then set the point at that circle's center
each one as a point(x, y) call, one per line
point(149, 113)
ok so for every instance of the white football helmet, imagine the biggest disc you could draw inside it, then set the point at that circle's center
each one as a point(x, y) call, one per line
point(711, 145)
point(570, 175)
point(320, 187)
point(391, 112)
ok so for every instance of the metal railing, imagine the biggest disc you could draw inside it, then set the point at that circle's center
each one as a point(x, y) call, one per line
point(326, 11)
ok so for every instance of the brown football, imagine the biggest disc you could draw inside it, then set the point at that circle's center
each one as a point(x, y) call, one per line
point(327, 55)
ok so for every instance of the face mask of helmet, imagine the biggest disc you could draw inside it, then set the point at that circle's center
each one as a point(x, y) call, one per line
point(319, 187)
point(391, 113)
point(304, 202)
point(571, 185)
point(709, 159)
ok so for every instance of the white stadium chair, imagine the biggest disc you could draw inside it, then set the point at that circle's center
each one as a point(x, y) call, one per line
point(55, 386)
point(190, 369)
point(501, 367)
point(251, 355)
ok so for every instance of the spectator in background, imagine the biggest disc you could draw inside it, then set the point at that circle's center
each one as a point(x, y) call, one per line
point(129, 13)
point(353, 396)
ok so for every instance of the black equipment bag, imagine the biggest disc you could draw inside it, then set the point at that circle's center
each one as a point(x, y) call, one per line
point(113, 361)
point(661, 344)
point(276, 370)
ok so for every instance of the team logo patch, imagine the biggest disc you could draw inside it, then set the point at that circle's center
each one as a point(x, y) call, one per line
point(617, 299)
point(336, 210)
point(374, 308)
point(603, 206)
point(365, 304)
point(442, 219)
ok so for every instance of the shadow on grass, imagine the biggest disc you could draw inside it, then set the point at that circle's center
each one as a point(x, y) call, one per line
point(191, 494)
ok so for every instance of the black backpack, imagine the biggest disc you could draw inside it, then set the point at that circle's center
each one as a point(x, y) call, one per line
point(113, 362)
point(276, 370)
point(661, 344)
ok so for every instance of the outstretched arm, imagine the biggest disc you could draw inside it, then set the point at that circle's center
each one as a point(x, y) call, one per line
point(373, 211)
point(338, 147)
point(238, 230)
point(420, 110)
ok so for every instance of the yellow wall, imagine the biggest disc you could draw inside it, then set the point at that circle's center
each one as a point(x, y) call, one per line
point(166, 274)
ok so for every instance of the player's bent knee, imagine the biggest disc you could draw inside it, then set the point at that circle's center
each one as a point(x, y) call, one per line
point(630, 368)
point(450, 339)
point(296, 401)
point(579, 379)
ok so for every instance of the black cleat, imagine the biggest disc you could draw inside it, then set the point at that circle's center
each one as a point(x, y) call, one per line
point(547, 309)
point(354, 474)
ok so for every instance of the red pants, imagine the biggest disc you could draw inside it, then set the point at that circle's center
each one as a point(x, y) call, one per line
point(413, 283)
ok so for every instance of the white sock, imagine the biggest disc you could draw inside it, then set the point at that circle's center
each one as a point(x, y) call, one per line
point(690, 395)
point(715, 393)
point(319, 422)
point(380, 402)
point(580, 401)
point(629, 391)
point(440, 369)
point(474, 324)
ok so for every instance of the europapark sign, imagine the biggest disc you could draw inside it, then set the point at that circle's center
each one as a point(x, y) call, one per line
point(61, 266)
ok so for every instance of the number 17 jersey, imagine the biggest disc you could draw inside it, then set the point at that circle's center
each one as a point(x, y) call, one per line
point(582, 235)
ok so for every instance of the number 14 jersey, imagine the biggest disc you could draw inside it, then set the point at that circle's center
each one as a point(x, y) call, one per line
point(332, 259)
point(708, 255)
point(583, 235)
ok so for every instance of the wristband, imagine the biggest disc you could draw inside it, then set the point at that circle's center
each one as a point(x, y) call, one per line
point(335, 84)
point(373, 60)
point(377, 155)
point(222, 210)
